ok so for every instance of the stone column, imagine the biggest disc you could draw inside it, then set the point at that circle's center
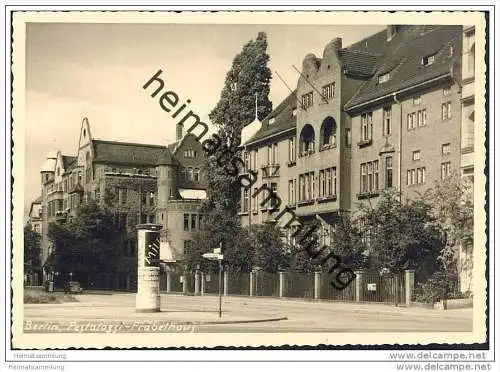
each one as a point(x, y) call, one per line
point(252, 274)
point(226, 283)
point(317, 285)
point(202, 283)
point(169, 282)
point(282, 284)
point(359, 285)
point(197, 283)
point(409, 284)
point(148, 268)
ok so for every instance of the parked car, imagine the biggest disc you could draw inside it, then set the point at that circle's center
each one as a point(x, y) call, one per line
point(73, 287)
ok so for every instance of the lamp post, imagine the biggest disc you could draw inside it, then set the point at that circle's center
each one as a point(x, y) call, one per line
point(217, 256)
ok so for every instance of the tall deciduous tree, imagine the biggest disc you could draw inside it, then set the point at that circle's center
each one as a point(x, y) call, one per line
point(89, 243)
point(248, 77)
point(31, 250)
point(453, 208)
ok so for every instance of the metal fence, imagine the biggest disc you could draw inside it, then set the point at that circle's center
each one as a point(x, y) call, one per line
point(298, 285)
point(329, 292)
point(367, 287)
point(238, 284)
point(266, 284)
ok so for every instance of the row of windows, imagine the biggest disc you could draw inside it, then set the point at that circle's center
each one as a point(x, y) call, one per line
point(192, 221)
point(414, 119)
point(147, 198)
point(445, 150)
point(190, 153)
point(130, 220)
point(415, 176)
point(190, 174)
point(328, 93)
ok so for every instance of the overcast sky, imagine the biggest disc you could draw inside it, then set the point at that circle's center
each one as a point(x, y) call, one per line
point(98, 70)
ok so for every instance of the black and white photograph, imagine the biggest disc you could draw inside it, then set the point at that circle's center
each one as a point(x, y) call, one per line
point(250, 179)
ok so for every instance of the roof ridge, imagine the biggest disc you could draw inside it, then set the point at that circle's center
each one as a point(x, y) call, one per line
point(127, 143)
point(362, 52)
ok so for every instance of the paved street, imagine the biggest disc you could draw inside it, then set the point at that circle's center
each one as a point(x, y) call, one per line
point(257, 314)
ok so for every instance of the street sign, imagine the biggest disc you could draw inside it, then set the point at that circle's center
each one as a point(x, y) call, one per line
point(213, 256)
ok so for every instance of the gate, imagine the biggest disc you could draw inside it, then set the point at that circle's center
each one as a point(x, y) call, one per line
point(387, 288)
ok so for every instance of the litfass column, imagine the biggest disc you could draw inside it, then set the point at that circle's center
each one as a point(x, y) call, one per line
point(147, 299)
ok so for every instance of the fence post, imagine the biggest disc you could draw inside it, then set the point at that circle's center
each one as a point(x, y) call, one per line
point(184, 284)
point(409, 284)
point(202, 289)
point(197, 283)
point(359, 285)
point(251, 283)
point(226, 283)
point(317, 285)
point(282, 284)
point(169, 281)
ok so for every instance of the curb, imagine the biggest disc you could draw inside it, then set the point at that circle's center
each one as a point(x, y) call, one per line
point(239, 321)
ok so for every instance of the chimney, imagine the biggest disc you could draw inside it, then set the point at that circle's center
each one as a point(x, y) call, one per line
point(337, 43)
point(178, 134)
point(391, 31)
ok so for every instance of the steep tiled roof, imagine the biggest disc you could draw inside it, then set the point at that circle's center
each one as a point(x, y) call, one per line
point(166, 158)
point(283, 119)
point(69, 162)
point(403, 61)
point(359, 63)
point(126, 153)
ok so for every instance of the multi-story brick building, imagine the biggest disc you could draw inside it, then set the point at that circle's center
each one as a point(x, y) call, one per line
point(140, 183)
point(382, 113)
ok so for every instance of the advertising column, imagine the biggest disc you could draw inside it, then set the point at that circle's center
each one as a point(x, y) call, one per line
point(148, 268)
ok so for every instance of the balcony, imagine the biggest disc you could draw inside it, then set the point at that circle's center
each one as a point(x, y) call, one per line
point(467, 149)
point(364, 143)
point(328, 146)
point(368, 194)
point(61, 215)
point(271, 170)
point(302, 203)
point(326, 198)
point(306, 153)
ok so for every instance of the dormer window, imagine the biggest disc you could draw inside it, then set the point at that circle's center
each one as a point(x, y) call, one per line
point(428, 60)
point(271, 121)
point(383, 78)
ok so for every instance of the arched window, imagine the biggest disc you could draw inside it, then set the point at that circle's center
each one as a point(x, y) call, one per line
point(328, 132)
point(190, 174)
point(196, 174)
point(307, 140)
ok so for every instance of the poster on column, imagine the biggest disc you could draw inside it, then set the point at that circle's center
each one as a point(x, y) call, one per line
point(151, 249)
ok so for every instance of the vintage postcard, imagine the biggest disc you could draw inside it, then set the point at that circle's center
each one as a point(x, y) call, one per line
point(259, 179)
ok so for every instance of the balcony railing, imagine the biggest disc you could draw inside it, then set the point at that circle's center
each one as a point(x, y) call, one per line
point(368, 194)
point(326, 198)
